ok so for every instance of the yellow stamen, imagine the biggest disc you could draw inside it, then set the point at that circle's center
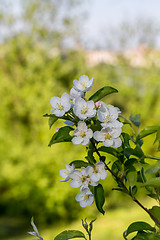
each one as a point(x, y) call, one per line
point(84, 110)
point(83, 85)
point(81, 133)
point(60, 106)
point(107, 136)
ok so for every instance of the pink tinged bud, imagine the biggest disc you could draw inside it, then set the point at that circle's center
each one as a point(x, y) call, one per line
point(98, 104)
point(57, 129)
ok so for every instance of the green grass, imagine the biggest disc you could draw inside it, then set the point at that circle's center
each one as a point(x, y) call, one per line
point(110, 226)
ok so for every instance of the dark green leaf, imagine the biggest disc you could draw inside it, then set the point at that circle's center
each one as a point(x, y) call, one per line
point(46, 115)
point(116, 167)
point(101, 93)
point(99, 197)
point(52, 120)
point(126, 139)
point(136, 152)
point(146, 236)
point(130, 162)
point(69, 235)
point(109, 150)
point(155, 210)
point(61, 136)
point(148, 130)
point(136, 119)
point(79, 163)
point(139, 226)
point(158, 140)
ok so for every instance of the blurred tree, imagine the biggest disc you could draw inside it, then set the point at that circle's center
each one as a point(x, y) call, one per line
point(129, 35)
point(49, 21)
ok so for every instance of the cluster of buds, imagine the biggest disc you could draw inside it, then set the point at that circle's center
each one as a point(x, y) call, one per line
point(93, 121)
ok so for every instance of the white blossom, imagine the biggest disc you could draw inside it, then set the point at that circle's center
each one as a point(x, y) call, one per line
point(97, 172)
point(83, 109)
point(85, 197)
point(74, 93)
point(82, 134)
point(83, 84)
point(109, 137)
point(65, 173)
point(60, 105)
point(108, 114)
point(81, 179)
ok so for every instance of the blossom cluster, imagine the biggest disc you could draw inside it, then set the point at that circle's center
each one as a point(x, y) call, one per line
point(77, 107)
point(84, 115)
point(88, 176)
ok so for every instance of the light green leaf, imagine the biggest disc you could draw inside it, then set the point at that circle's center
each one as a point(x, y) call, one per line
point(132, 178)
point(153, 182)
point(101, 93)
point(99, 198)
point(154, 168)
point(139, 226)
point(79, 163)
point(61, 136)
point(148, 130)
point(69, 235)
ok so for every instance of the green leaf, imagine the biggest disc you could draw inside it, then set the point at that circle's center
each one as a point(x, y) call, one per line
point(136, 152)
point(69, 235)
point(99, 197)
point(61, 136)
point(52, 120)
point(148, 130)
point(132, 177)
point(153, 182)
point(155, 210)
point(101, 93)
point(79, 163)
point(139, 226)
point(126, 138)
point(109, 150)
point(158, 139)
point(154, 168)
point(146, 236)
point(136, 119)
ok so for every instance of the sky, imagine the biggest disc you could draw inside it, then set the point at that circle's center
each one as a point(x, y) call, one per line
point(103, 14)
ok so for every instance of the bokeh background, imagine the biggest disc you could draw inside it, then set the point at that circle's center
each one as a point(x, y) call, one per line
point(44, 46)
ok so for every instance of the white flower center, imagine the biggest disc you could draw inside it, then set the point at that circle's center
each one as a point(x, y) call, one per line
point(60, 107)
point(81, 133)
point(107, 136)
point(107, 119)
point(83, 85)
point(84, 110)
point(86, 197)
point(95, 170)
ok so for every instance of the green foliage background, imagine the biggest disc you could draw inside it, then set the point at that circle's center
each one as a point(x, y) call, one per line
point(31, 73)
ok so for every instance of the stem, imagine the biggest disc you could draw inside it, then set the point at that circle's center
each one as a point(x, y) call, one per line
point(148, 156)
point(125, 188)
